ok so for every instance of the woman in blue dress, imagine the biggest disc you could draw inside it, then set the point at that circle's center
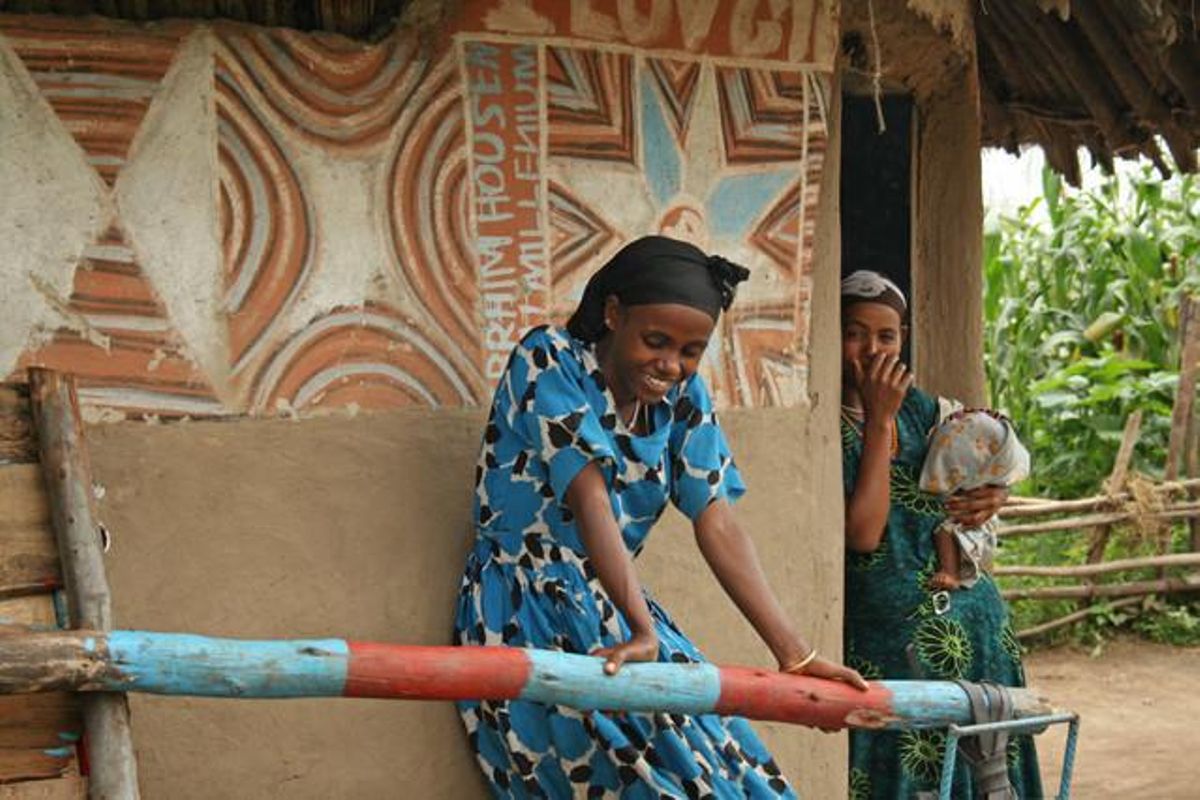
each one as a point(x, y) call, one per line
point(897, 624)
point(592, 430)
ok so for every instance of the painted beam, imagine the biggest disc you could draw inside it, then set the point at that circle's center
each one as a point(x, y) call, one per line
point(184, 664)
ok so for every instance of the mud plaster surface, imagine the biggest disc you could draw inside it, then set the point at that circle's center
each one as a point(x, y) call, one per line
point(357, 528)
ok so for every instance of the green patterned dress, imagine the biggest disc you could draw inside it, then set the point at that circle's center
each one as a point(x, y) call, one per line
point(892, 626)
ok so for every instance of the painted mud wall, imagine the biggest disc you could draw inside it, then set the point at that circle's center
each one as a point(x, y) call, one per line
point(276, 527)
point(255, 221)
point(927, 50)
point(255, 227)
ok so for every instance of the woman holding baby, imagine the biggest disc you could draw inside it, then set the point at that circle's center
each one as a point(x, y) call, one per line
point(910, 614)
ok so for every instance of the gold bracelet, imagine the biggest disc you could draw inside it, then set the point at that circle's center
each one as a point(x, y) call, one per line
point(797, 667)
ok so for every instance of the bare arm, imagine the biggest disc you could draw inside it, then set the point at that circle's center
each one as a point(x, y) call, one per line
point(587, 497)
point(734, 561)
point(867, 507)
point(884, 382)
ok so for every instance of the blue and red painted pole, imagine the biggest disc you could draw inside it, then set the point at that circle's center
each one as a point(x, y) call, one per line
point(185, 664)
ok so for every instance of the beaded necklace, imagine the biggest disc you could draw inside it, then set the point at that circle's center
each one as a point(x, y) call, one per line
point(854, 417)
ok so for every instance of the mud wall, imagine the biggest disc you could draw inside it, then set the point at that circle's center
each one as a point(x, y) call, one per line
point(257, 237)
point(357, 527)
point(927, 49)
point(214, 220)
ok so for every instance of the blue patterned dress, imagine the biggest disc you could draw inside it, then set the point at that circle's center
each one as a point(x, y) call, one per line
point(894, 629)
point(528, 582)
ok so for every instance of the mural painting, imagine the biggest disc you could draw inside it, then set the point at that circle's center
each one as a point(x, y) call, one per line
point(218, 220)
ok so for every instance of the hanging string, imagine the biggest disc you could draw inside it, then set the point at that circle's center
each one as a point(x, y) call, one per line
point(877, 73)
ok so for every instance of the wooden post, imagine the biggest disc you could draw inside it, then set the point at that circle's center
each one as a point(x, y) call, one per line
point(67, 474)
point(1191, 435)
point(1185, 393)
point(1189, 357)
point(1193, 469)
point(1113, 487)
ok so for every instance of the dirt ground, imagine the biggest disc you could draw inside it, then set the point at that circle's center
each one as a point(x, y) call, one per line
point(1139, 704)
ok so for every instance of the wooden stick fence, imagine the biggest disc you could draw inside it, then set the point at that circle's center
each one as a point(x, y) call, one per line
point(1088, 570)
point(1102, 514)
point(1018, 507)
point(183, 664)
point(1077, 616)
point(1091, 591)
point(1179, 511)
point(1158, 504)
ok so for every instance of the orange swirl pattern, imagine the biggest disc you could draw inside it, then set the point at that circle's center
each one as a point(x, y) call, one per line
point(370, 357)
point(303, 119)
point(677, 82)
point(778, 232)
point(579, 236)
point(428, 212)
point(265, 222)
point(333, 92)
point(764, 357)
point(98, 84)
point(120, 343)
point(816, 134)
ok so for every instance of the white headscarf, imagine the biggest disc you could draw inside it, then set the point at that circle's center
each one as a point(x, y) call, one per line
point(869, 286)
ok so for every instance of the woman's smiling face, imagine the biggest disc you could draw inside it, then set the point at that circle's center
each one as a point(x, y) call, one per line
point(651, 348)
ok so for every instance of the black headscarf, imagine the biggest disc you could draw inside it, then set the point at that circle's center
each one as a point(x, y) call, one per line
point(657, 269)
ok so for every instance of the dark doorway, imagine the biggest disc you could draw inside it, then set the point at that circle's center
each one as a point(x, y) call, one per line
point(876, 188)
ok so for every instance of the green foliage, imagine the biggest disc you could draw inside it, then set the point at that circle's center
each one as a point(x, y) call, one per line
point(1082, 306)
point(1082, 320)
point(1174, 624)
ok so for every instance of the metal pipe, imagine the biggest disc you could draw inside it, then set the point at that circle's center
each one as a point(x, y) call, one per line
point(1029, 724)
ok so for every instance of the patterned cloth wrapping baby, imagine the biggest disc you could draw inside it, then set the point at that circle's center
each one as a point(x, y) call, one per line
point(968, 449)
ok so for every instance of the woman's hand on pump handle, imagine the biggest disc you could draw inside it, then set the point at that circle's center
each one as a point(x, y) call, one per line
point(829, 670)
point(644, 647)
point(639, 647)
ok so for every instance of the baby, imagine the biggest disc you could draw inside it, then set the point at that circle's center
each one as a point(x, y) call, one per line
point(968, 449)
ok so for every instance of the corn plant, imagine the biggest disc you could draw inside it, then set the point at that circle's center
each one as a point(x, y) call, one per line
point(1082, 314)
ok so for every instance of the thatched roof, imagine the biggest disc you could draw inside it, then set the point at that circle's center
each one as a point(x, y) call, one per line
point(1108, 75)
point(362, 19)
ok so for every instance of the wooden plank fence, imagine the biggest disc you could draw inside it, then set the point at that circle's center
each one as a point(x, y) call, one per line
point(38, 733)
